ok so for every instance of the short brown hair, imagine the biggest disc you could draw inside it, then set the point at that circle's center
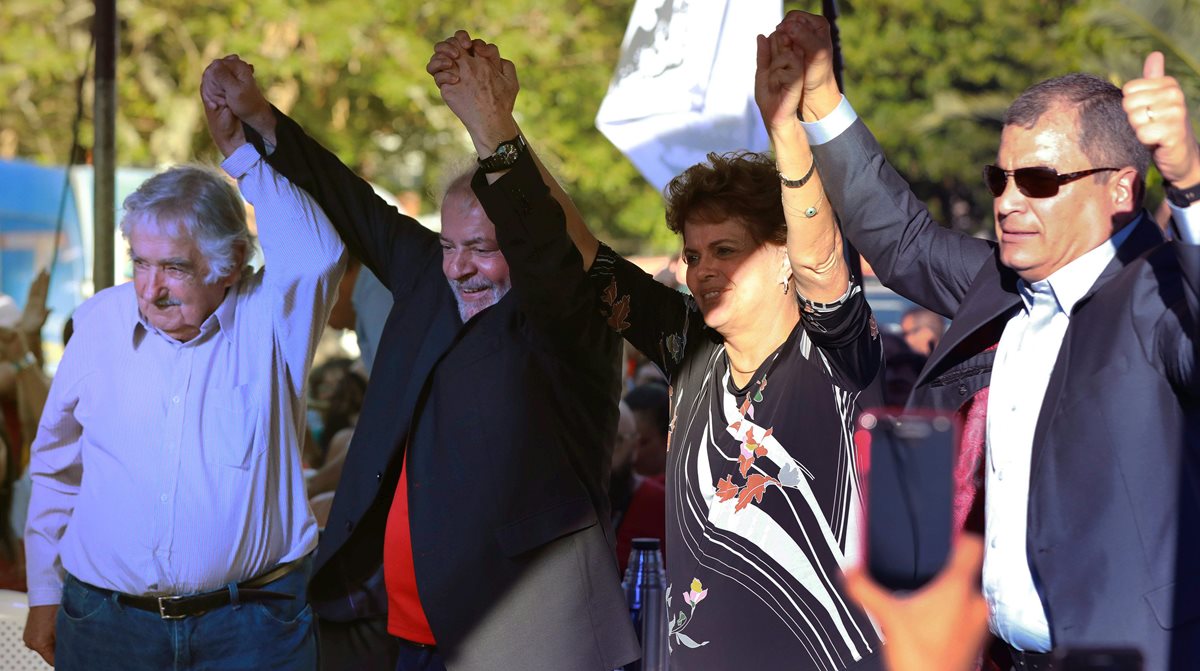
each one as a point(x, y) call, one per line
point(741, 185)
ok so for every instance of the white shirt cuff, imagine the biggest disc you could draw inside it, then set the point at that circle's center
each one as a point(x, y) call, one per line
point(832, 125)
point(1187, 221)
point(240, 161)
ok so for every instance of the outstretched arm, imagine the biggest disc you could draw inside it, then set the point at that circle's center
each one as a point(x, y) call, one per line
point(481, 88)
point(879, 213)
point(389, 243)
point(814, 242)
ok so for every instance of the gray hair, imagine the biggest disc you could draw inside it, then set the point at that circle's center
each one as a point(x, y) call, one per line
point(198, 200)
point(1105, 135)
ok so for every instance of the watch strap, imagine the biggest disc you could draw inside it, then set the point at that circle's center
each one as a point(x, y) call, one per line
point(1181, 197)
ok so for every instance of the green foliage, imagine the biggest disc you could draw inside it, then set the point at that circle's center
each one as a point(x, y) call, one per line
point(931, 77)
point(353, 73)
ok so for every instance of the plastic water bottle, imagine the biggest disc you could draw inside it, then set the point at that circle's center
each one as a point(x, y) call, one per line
point(644, 584)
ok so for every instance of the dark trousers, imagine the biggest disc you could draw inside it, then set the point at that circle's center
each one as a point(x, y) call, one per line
point(97, 633)
point(416, 657)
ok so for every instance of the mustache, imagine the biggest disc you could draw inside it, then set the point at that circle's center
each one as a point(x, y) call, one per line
point(472, 285)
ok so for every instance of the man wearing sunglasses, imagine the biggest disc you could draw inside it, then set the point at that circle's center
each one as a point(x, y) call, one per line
point(1072, 355)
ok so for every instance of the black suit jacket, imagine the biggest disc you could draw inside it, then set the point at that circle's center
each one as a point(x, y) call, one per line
point(1114, 497)
point(508, 422)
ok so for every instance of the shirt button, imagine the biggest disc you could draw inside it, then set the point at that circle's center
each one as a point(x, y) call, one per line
point(379, 477)
point(993, 543)
point(175, 400)
point(1000, 475)
point(349, 527)
point(163, 498)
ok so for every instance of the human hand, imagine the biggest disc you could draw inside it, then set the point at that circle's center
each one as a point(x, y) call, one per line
point(33, 317)
point(778, 82)
point(1159, 115)
point(811, 40)
point(39, 631)
point(229, 82)
point(225, 129)
point(942, 626)
point(479, 86)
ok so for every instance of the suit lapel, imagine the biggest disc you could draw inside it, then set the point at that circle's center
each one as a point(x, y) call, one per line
point(443, 329)
point(992, 293)
point(1145, 237)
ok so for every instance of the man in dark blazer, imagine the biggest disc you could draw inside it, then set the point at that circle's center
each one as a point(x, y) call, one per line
point(1077, 334)
point(494, 410)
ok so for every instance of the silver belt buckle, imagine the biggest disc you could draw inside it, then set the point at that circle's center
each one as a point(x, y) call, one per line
point(162, 608)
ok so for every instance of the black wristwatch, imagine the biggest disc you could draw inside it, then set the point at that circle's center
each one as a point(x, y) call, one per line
point(1181, 197)
point(505, 156)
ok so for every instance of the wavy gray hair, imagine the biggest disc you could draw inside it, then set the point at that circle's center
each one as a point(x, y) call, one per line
point(199, 200)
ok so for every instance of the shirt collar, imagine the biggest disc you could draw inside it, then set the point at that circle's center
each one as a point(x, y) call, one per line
point(1071, 282)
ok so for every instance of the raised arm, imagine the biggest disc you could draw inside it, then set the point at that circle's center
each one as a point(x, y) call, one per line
point(879, 213)
point(486, 109)
point(387, 241)
point(814, 242)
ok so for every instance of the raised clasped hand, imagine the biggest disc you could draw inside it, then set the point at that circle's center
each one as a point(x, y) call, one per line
point(809, 37)
point(778, 83)
point(477, 85)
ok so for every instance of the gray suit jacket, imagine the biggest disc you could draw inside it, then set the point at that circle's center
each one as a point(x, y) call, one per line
point(1114, 511)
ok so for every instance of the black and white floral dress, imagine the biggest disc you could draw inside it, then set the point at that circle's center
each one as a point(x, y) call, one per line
point(763, 500)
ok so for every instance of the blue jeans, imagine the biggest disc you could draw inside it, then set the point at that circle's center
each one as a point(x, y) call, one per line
point(95, 632)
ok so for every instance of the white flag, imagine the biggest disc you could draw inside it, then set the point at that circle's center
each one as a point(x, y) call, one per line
point(684, 85)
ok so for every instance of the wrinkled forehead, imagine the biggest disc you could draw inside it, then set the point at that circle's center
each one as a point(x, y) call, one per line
point(156, 240)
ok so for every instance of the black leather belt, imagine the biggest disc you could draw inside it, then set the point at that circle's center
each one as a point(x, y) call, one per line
point(179, 607)
point(1030, 661)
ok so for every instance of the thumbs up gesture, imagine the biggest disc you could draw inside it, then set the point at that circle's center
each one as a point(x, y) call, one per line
point(1159, 115)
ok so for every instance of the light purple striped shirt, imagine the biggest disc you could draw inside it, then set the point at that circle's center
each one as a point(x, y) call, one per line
point(163, 467)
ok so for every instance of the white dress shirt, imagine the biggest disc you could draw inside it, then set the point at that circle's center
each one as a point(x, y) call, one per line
point(163, 467)
point(1024, 361)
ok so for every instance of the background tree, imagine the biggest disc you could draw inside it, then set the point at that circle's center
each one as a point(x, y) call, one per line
point(931, 77)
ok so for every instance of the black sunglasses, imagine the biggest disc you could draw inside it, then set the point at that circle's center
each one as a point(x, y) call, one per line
point(1033, 182)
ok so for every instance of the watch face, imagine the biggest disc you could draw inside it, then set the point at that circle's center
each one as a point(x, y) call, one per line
point(505, 157)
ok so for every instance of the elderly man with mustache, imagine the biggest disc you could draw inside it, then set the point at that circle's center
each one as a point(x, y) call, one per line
point(169, 525)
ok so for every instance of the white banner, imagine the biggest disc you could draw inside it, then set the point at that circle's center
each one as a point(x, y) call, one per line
point(684, 85)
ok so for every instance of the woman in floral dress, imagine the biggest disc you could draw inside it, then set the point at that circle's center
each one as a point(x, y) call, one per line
point(767, 360)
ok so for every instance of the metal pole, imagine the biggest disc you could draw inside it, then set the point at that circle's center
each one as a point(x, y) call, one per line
point(830, 9)
point(104, 150)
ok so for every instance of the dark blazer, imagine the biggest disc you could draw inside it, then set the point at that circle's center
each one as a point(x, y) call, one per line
point(508, 422)
point(1114, 496)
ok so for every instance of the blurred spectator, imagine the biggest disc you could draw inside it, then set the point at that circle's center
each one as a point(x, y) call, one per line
point(23, 389)
point(650, 405)
point(639, 504)
point(363, 305)
point(922, 329)
point(323, 382)
point(902, 367)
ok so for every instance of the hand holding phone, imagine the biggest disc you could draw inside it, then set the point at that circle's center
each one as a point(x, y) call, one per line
point(906, 461)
